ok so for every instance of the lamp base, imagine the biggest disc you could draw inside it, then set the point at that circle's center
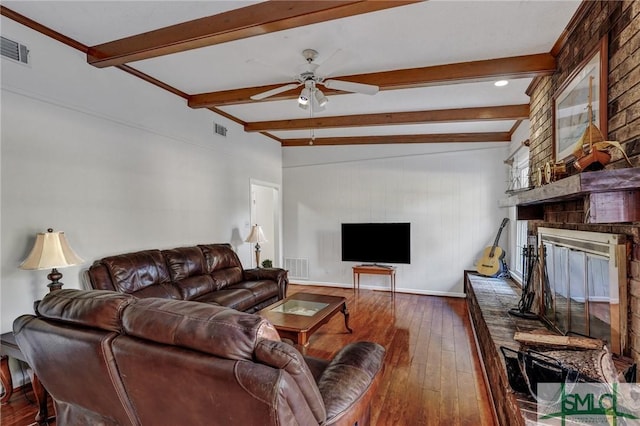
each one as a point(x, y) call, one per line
point(55, 278)
point(257, 255)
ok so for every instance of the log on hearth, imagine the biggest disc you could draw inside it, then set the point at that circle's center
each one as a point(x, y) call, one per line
point(554, 341)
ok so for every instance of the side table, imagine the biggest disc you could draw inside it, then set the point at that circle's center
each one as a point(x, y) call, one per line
point(9, 348)
point(374, 270)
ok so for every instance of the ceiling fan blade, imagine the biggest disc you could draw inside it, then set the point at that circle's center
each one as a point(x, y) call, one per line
point(332, 63)
point(266, 65)
point(349, 86)
point(272, 92)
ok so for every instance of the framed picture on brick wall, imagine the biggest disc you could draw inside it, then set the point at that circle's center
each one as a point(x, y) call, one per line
point(570, 110)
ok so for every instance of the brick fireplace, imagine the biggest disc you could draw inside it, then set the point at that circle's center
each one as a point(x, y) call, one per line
point(605, 202)
point(567, 205)
point(620, 22)
point(563, 207)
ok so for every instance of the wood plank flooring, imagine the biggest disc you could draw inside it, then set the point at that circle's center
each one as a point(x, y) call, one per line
point(21, 409)
point(432, 371)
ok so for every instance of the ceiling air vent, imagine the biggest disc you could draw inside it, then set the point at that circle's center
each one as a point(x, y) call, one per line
point(219, 129)
point(14, 50)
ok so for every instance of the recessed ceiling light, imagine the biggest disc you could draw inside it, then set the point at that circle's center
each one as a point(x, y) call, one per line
point(501, 83)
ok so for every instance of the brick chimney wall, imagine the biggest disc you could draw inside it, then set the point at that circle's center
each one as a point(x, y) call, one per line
point(620, 21)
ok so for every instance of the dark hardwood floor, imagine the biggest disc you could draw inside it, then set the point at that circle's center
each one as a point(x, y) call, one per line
point(432, 371)
point(21, 409)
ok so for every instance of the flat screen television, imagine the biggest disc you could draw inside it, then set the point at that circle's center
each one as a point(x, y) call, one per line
point(376, 242)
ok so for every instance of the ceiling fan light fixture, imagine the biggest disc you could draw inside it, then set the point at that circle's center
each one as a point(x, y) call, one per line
point(321, 98)
point(304, 97)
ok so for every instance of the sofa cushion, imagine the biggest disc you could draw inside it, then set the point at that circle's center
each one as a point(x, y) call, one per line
point(219, 256)
point(217, 330)
point(184, 262)
point(90, 308)
point(226, 277)
point(238, 298)
point(261, 290)
point(188, 271)
point(132, 272)
point(223, 264)
point(193, 287)
point(164, 291)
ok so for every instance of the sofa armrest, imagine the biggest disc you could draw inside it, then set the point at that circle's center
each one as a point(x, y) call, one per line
point(280, 276)
point(349, 381)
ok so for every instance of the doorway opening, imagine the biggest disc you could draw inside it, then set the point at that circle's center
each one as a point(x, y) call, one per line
point(265, 211)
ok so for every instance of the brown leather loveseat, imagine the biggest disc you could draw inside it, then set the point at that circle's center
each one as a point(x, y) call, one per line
point(208, 273)
point(109, 358)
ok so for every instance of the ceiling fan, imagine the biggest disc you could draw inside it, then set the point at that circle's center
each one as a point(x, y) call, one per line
point(309, 76)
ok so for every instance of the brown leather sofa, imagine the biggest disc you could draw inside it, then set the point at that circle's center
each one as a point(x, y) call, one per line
point(208, 273)
point(109, 358)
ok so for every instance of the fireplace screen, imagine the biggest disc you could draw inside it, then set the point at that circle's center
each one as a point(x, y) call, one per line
point(582, 284)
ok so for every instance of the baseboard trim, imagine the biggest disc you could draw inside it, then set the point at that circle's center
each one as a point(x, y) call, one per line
point(421, 292)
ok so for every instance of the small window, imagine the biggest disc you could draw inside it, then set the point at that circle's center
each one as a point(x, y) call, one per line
point(519, 172)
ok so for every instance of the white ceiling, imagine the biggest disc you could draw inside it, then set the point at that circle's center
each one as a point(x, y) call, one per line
point(424, 34)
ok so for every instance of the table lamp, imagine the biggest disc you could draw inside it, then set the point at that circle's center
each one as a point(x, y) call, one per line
point(256, 236)
point(51, 250)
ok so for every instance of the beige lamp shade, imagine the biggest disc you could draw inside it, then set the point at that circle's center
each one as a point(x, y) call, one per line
point(256, 235)
point(51, 250)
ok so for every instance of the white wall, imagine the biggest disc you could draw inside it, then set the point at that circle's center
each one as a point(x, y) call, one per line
point(449, 193)
point(118, 164)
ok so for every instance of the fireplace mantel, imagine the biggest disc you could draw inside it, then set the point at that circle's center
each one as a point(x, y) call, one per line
point(610, 196)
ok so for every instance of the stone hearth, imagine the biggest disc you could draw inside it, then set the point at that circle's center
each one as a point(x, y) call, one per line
point(489, 300)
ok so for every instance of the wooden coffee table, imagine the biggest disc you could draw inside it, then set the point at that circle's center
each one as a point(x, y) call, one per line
point(300, 315)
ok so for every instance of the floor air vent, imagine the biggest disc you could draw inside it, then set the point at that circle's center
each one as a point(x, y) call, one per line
point(298, 268)
point(15, 51)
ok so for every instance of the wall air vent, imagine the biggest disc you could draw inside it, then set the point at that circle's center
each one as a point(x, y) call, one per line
point(219, 129)
point(15, 51)
point(297, 267)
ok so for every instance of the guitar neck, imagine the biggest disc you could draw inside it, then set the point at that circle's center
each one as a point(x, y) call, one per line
point(495, 242)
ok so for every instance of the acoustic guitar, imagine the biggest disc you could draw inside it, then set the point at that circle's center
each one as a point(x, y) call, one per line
point(491, 263)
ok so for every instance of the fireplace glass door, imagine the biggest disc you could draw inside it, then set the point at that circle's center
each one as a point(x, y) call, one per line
point(580, 285)
point(599, 298)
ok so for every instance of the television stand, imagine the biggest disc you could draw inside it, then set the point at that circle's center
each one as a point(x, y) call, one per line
point(377, 265)
point(374, 270)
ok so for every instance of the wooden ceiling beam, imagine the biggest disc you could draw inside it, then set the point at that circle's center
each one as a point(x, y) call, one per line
point(399, 139)
point(258, 19)
point(527, 66)
point(36, 26)
point(503, 112)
